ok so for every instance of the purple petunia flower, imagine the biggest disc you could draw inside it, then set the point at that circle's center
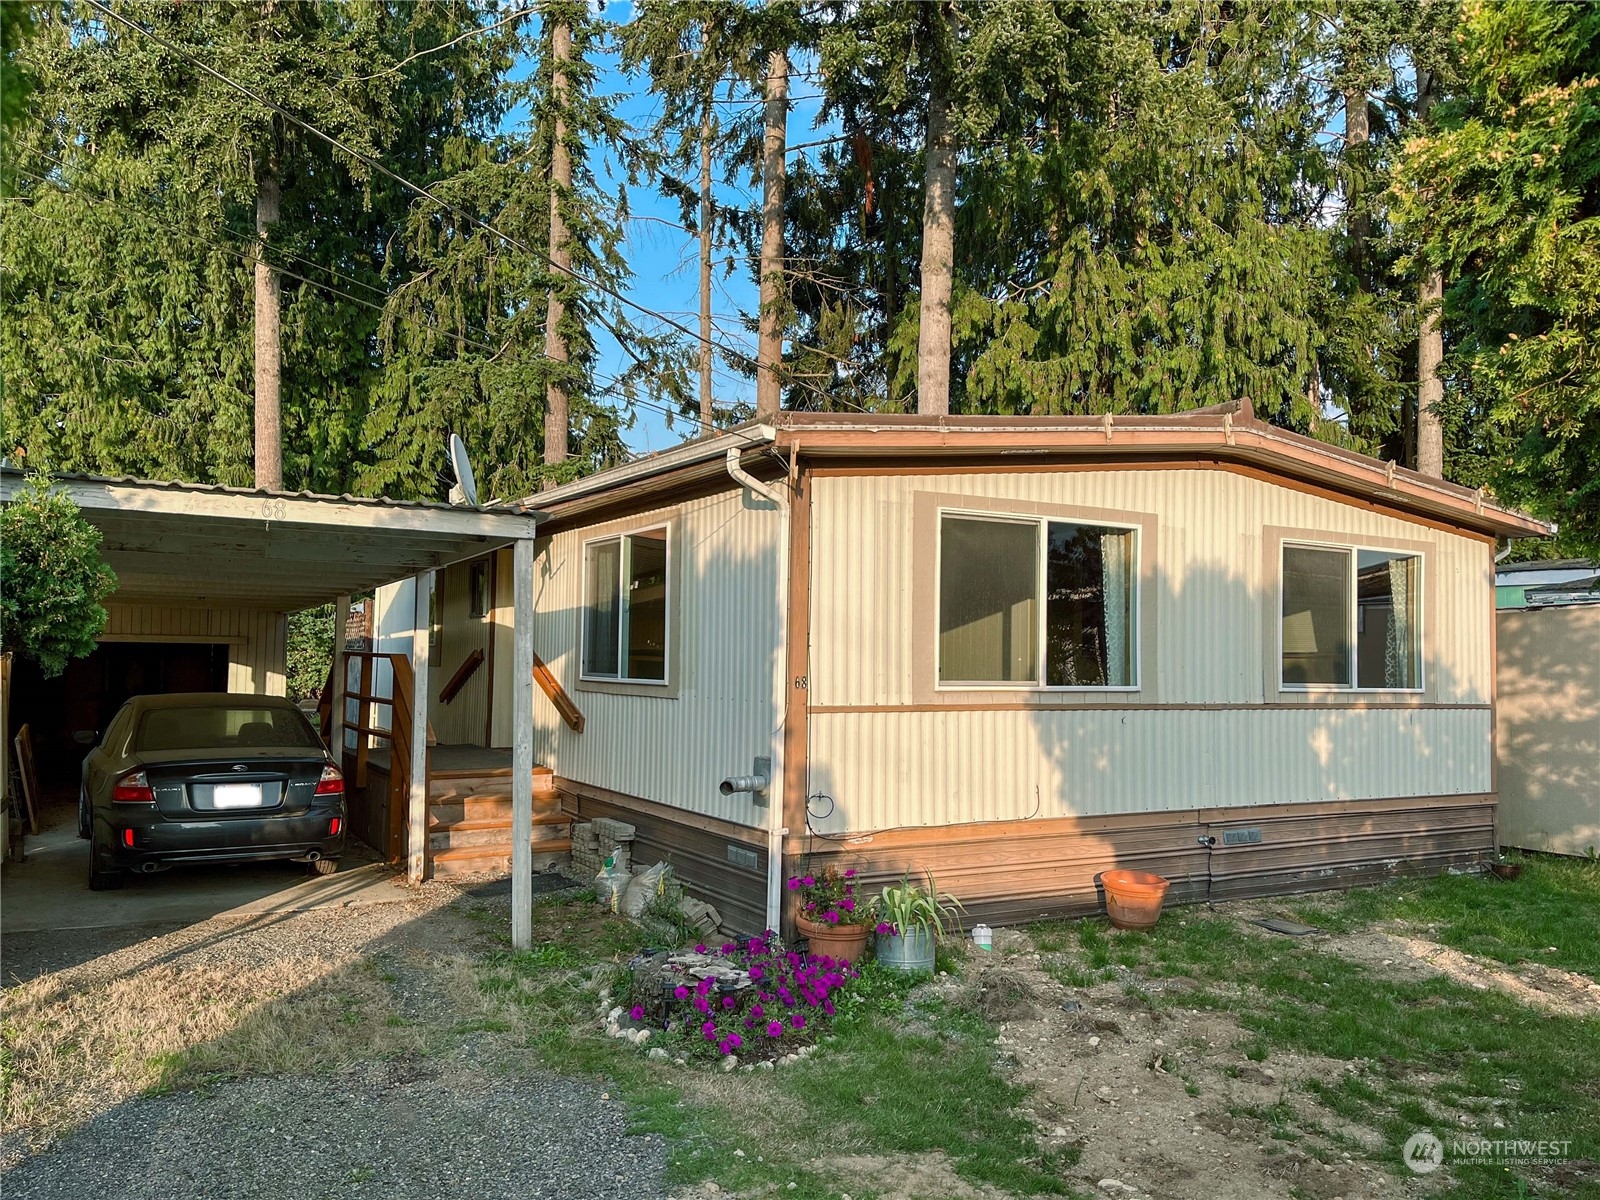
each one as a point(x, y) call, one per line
point(680, 992)
point(637, 1012)
point(832, 916)
point(827, 1007)
point(756, 973)
point(709, 1029)
point(700, 948)
point(774, 1029)
point(809, 880)
point(850, 874)
point(794, 883)
point(701, 1003)
point(797, 1021)
point(847, 904)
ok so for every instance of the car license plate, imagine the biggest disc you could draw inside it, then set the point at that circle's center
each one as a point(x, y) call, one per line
point(236, 795)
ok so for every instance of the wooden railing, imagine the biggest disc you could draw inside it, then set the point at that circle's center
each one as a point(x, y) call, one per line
point(389, 837)
point(464, 672)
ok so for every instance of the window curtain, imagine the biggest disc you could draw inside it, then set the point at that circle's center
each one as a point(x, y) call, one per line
point(1398, 661)
point(1114, 594)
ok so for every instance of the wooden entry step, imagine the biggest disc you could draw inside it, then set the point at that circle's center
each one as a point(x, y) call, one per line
point(496, 860)
point(451, 835)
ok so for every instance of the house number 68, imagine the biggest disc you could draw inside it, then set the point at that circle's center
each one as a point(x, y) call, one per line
point(800, 682)
point(272, 510)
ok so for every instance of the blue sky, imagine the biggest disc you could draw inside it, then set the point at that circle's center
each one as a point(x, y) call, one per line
point(665, 260)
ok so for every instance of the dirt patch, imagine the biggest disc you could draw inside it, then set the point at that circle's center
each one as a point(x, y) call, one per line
point(904, 1177)
point(1162, 1102)
point(1398, 953)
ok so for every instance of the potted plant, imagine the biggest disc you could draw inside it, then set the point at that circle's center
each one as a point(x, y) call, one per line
point(833, 920)
point(910, 920)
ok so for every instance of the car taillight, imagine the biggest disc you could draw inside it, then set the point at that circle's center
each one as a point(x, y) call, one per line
point(133, 788)
point(331, 783)
point(334, 827)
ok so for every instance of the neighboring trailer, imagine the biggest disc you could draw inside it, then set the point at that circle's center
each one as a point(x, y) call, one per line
point(1549, 728)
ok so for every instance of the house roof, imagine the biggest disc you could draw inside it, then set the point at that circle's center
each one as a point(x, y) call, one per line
point(1226, 435)
point(194, 544)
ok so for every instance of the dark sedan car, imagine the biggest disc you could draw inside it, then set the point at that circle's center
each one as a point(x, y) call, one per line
point(204, 778)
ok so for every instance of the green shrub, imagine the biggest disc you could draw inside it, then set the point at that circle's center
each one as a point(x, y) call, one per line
point(52, 579)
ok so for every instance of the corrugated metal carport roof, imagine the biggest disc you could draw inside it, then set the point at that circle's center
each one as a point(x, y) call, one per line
point(187, 543)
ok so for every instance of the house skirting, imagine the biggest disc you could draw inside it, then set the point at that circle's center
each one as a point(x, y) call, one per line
point(720, 862)
point(1013, 871)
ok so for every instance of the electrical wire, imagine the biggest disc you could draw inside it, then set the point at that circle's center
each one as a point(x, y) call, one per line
point(417, 189)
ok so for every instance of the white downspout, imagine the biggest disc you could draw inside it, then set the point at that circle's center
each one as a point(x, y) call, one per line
point(776, 831)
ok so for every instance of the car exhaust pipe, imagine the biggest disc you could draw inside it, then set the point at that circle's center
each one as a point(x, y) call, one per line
point(313, 855)
point(150, 868)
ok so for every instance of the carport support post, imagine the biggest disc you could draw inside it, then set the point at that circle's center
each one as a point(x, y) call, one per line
point(522, 747)
point(336, 701)
point(417, 807)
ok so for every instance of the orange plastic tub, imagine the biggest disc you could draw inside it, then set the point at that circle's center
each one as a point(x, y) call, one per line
point(1133, 898)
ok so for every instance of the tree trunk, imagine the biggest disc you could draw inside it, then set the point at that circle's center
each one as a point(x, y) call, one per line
point(269, 343)
point(1430, 338)
point(1357, 133)
point(769, 354)
point(938, 245)
point(557, 418)
point(706, 216)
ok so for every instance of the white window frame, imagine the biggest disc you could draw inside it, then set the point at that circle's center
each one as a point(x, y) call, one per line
point(1353, 549)
point(1039, 522)
point(624, 571)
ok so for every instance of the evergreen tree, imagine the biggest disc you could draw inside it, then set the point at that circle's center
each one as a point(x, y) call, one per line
point(1503, 194)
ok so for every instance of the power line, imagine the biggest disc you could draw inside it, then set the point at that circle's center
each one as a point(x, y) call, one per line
point(416, 188)
point(254, 240)
point(247, 257)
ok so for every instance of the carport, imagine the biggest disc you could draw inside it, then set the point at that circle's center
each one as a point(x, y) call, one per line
point(204, 548)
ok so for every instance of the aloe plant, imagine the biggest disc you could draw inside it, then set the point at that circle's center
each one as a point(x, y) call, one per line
point(906, 906)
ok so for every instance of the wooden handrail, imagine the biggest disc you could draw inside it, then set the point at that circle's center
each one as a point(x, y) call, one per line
point(459, 680)
point(551, 687)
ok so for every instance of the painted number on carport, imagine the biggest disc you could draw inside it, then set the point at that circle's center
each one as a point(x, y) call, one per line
point(800, 682)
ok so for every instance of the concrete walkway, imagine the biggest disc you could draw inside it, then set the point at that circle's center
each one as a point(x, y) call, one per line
point(50, 889)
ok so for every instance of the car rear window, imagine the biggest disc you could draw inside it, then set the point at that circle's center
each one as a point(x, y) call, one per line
point(225, 726)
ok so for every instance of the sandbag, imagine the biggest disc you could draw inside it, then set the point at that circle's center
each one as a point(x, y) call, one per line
point(643, 891)
point(612, 881)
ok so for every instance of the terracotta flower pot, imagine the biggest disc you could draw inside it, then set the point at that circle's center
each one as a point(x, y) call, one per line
point(1133, 898)
point(842, 943)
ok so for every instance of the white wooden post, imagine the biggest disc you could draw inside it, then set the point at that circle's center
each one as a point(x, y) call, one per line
point(341, 681)
point(522, 747)
point(417, 808)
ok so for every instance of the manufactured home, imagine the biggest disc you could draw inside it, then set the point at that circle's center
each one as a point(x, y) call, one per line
point(1013, 652)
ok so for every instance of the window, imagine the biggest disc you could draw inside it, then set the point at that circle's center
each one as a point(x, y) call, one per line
point(1035, 603)
point(222, 727)
point(1350, 619)
point(625, 608)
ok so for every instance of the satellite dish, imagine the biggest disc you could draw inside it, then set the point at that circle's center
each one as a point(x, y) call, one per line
point(466, 489)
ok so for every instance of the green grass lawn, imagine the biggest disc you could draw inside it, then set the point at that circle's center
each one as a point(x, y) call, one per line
point(1426, 1045)
point(897, 1075)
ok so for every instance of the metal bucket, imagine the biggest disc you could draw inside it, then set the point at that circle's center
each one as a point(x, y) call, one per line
point(911, 952)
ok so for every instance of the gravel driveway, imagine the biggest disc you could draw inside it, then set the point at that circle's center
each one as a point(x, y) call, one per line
point(353, 1056)
point(401, 1131)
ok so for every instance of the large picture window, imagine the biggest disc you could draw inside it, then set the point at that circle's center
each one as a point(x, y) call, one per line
point(1349, 619)
point(625, 615)
point(1036, 603)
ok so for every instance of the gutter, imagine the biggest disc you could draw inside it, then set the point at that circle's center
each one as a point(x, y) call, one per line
point(776, 830)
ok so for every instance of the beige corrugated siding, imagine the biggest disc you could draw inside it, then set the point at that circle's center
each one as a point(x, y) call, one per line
point(727, 554)
point(886, 769)
point(1549, 728)
point(464, 721)
point(257, 639)
point(1208, 601)
point(1211, 587)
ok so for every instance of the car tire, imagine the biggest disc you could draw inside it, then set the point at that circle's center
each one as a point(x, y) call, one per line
point(99, 880)
point(325, 866)
point(85, 821)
